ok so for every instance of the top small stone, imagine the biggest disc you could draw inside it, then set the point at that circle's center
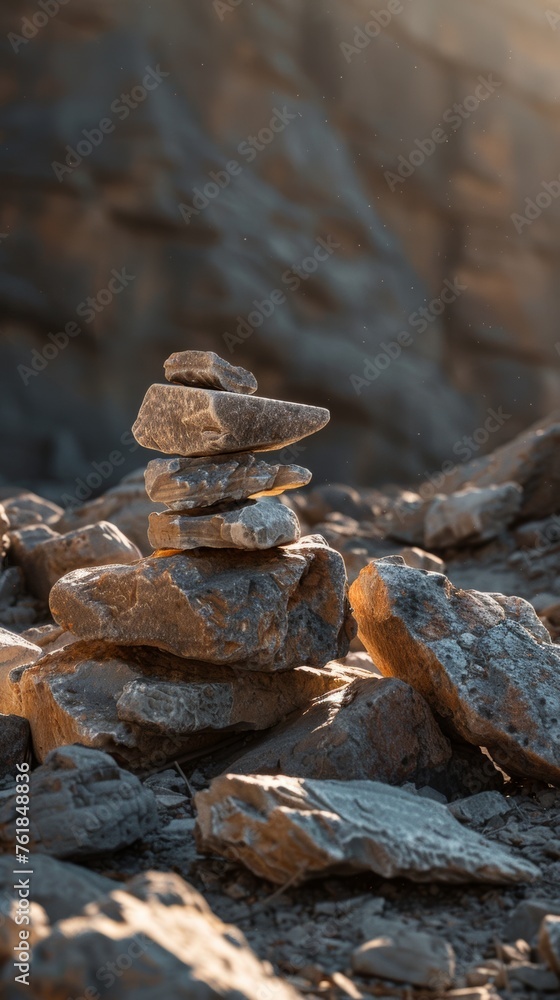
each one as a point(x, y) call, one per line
point(205, 370)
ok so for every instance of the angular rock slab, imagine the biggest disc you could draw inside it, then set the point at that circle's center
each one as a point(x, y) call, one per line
point(483, 662)
point(207, 370)
point(287, 828)
point(179, 420)
point(191, 483)
point(146, 707)
point(471, 515)
point(257, 524)
point(83, 804)
point(371, 729)
point(254, 610)
point(162, 939)
point(45, 559)
point(407, 957)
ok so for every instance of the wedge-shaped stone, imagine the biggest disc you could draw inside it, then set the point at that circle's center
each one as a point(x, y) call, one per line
point(378, 729)
point(484, 663)
point(257, 524)
point(179, 420)
point(146, 707)
point(286, 828)
point(191, 483)
point(153, 936)
point(83, 804)
point(207, 370)
point(254, 610)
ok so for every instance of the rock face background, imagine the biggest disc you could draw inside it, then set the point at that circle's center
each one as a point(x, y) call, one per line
point(341, 122)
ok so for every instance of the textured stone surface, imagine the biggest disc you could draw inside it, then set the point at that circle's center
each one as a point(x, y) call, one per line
point(15, 651)
point(61, 888)
point(146, 707)
point(475, 658)
point(471, 515)
point(83, 804)
point(407, 957)
point(154, 936)
point(28, 508)
point(179, 420)
point(205, 370)
point(377, 729)
point(15, 743)
point(46, 558)
point(190, 483)
point(257, 524)
point(549, 942)
point(283, 828)
point(258, 611)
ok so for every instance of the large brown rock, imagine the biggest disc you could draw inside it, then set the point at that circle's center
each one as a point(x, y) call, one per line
point(190, 483)
point(45, 558)
point(146, 707)
point(256, 524)
point(152, 937)
point(484, 662)
point(288, 828)
point(375, 729)
point(180, 420)
point(257, 611)
point(204, 369)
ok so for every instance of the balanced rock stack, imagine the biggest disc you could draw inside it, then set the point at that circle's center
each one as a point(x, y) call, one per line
point(229, 623)
point(217, 491)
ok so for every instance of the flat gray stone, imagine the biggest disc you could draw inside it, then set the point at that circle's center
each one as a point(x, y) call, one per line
point(378, 729)
point(257, 524)
point(146, 707)
point(407, 957)
point(191, 483)
point(83, 803)
point(270, 610)
point(285, 828)
point(207, 370)
point(484, 663)
point(179, 420)
point(159, 937)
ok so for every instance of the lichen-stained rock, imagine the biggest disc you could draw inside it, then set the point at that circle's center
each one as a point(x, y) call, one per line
point(159, 938)
point(180, 420)
point(146, 707)
point(269, 610)
point(256, 524)
point(15, 651)
point(374, 729)
point(46, 558)
point(83, 804)
point(285, 828)
point(190, 483)
point(471, 515)
point(484, 663)
point(206, 370)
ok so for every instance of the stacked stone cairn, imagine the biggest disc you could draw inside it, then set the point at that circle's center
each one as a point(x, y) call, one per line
point(231, 621)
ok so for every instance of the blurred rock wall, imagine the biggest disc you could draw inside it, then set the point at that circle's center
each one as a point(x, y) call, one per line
point(166, 167)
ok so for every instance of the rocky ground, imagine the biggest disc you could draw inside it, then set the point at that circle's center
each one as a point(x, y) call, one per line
point(384, 824)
